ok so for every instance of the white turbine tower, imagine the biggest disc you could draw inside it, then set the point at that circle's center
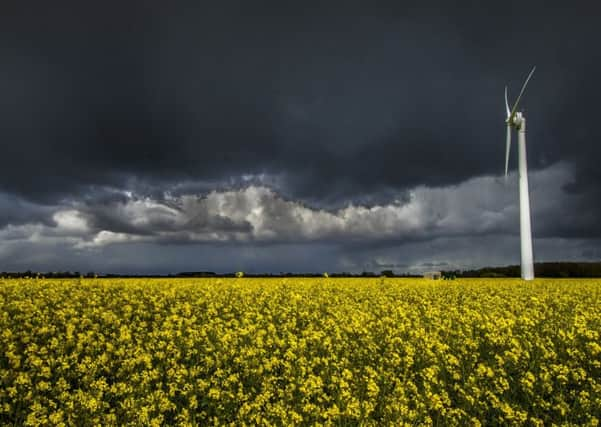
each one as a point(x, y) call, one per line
point(517, 120)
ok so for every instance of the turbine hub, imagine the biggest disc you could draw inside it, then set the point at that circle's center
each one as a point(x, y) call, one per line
point(517, 120)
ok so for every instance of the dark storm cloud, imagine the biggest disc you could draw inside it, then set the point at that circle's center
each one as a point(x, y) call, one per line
point(364, 98)
point(16, 211)
point(147, 217)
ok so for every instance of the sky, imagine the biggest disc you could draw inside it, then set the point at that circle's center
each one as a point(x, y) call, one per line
point(154, 137)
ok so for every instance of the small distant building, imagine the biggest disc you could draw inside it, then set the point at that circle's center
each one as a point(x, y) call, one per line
point(434, 275)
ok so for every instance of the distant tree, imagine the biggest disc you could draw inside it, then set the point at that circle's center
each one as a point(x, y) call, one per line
point(387, 273)
point(449, 275)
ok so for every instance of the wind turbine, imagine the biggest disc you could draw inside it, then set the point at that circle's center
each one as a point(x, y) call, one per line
point(516, 119)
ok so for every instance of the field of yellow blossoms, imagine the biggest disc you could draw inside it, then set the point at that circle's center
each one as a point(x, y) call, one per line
point(325, 351)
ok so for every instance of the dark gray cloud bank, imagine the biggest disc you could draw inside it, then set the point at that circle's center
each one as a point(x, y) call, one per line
point(157, 137)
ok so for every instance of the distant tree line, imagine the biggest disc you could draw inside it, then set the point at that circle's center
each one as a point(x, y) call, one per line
point(185, 274)
point(386, 273)
point(542, 269)
point(49, 275)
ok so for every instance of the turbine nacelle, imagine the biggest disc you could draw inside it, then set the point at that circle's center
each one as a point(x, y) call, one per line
point(516, 121)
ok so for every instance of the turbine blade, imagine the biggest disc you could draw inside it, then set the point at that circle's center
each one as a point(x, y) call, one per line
point(507, 103)
point(507, 147)
point(515, 106)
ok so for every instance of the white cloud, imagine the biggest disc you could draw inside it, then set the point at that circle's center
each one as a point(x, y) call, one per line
point(70, 220)
point(105, 237)
point(480, 206)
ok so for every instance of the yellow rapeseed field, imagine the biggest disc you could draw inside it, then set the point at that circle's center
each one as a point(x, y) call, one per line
point(300, 352)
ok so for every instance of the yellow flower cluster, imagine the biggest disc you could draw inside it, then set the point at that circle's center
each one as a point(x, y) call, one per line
point(319, 351)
